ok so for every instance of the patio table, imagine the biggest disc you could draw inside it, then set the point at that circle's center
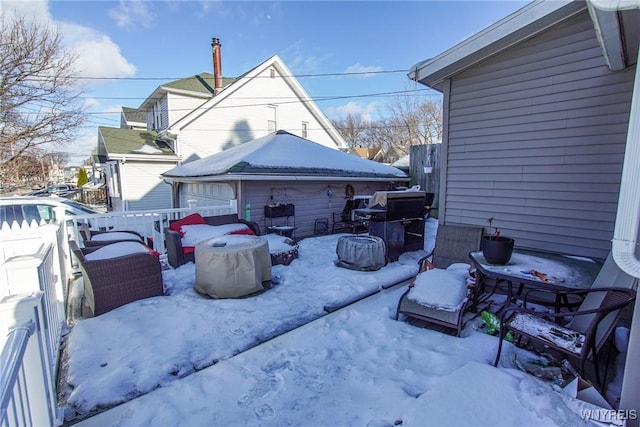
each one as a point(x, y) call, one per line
point(562, 272)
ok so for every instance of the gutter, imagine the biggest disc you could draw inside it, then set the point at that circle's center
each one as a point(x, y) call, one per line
point(625, 247)
point(239, 177)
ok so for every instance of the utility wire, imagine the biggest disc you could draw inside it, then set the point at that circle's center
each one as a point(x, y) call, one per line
point(355, 73)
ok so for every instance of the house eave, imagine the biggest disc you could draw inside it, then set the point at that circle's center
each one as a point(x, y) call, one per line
point(275, 177)
point(520, 25)
point(145, 157)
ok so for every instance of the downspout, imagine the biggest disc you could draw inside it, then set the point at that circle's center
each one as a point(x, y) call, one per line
point(625, 247)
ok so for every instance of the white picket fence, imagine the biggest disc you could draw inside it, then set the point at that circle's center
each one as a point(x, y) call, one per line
point(35, 270)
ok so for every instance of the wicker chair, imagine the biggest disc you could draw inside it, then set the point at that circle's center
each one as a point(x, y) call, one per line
point(113, 282)
point(453, 244)
point(583, 337)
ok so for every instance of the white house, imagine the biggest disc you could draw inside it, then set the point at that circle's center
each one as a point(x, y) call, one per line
point(202, 115)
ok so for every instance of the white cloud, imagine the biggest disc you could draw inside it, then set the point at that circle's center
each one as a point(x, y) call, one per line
point(364, 110)
point(98, 55)
point(362, 71)
point(132, 14)
point(31, 10)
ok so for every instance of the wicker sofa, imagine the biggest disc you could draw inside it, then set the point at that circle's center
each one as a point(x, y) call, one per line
point(178, 255)
point(112, 282)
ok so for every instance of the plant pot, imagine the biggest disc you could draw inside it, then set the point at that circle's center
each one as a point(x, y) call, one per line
point(497, 250)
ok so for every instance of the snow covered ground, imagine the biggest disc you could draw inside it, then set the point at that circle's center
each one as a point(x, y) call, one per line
point(356, 366)
point(138, 347)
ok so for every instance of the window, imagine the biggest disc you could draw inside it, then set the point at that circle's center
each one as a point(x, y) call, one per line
point(272, 73)
point(272, 118)
point(305, 129)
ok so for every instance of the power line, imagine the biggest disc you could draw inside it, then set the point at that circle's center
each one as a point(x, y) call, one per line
point(294, 100)
point(344, 74)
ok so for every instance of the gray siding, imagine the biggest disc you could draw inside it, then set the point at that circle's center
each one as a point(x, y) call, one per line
point(536, 138)
point(310, 198)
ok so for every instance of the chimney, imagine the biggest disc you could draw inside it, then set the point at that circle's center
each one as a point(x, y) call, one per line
point(217, 65)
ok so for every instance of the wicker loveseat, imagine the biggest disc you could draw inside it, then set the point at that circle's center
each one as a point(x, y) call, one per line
point(113, 281)
point(177, 254)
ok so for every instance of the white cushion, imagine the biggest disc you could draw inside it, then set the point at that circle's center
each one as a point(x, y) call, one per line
point(115, 235)
point(115, 250)
point(194, 234)
point(439, 288)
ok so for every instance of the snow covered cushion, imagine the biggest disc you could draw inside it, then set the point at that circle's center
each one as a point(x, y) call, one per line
point(194, 234)
point(442, 289)
point(194, 218)
point(114, 235)
point(117, 249)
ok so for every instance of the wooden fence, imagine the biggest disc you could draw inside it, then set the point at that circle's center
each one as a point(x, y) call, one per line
point(424, 169)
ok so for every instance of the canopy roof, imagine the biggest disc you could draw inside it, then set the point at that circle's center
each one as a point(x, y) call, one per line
point(282, 154)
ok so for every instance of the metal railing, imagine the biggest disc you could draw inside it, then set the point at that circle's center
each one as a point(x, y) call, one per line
point(27, 380)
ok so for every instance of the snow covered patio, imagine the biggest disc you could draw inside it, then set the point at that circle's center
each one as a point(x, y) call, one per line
point(278, 358)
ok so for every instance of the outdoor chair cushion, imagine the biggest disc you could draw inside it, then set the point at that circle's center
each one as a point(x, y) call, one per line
point(444, 289)
point(193, 219)
point(196, 233)
point(118, 249)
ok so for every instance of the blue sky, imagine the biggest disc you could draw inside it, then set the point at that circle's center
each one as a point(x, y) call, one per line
point(138, 45)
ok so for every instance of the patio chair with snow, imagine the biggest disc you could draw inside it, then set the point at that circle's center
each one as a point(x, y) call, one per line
point(117, 274)
point(453, 244)
point(583, 337)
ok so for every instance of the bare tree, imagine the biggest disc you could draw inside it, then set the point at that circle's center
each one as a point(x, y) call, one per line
point(40, 99)
point(409, 119)
point(352, 128)
point(419, 119)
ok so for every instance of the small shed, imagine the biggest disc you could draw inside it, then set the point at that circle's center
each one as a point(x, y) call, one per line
point(281, 169)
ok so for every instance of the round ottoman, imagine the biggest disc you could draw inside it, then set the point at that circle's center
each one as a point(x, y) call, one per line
point(363, 253)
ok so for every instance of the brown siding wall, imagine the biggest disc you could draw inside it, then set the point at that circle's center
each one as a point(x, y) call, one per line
point(536, 138)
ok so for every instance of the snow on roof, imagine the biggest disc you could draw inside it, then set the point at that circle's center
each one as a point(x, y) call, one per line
point(282, 153)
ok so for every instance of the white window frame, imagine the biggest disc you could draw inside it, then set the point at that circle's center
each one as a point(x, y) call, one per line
point(305, 129)
point(272, 118)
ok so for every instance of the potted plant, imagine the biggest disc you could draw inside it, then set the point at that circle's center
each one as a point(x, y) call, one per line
point(496, 249)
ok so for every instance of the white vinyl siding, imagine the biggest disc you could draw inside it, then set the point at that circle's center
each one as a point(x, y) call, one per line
point(206, 193)
point(536, 138)
point(145, 190)
point(243, 117)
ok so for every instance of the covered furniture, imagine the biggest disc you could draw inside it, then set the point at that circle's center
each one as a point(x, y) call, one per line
point(363, 253)
point(348, 220)
point(398, 218)
point(179, 253)
point(117, 274)
point(583, 337)
point(232, 266)
point(453, 244)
